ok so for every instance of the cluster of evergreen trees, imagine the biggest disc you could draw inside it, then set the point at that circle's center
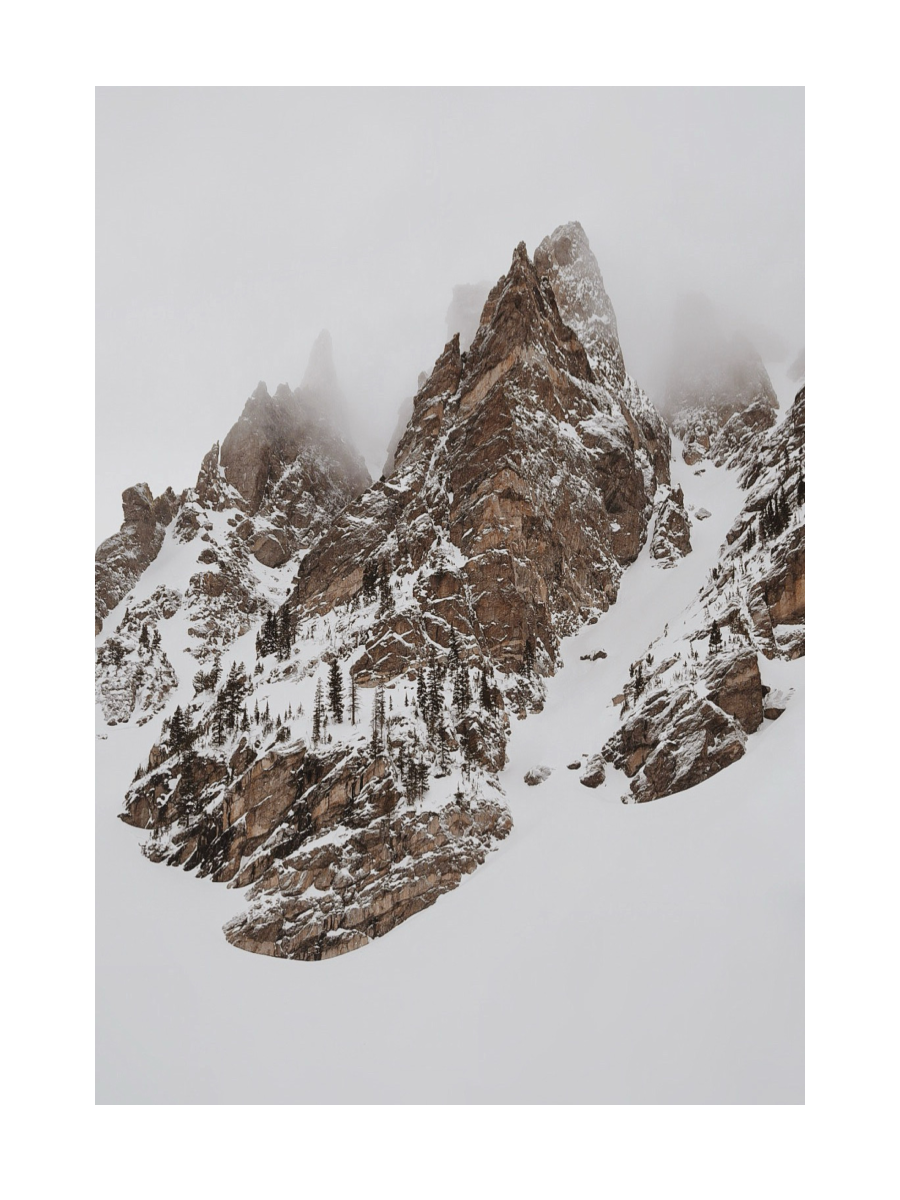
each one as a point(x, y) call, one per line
point(276, 635)
point(148, 642)
point(376, 582)
point(415, 771)
point(229, 711)
point(208, 681)
point(113, 652)
point(335, 702)
point(430, 688)
point(775, 516)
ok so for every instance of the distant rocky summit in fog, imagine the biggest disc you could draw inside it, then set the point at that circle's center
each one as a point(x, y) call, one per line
point(718, 391)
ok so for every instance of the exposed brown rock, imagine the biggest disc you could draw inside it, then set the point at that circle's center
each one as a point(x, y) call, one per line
point(537, 775)
point(687, 716)
point(382, 875)
point(594, 772)
point(735, 686)
point(122, 559)
point(671, 539)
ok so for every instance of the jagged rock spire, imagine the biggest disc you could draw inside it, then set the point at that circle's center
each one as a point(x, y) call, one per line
point(567, 260)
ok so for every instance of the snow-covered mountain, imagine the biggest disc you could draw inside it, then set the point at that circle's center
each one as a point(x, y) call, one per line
point(342, 745)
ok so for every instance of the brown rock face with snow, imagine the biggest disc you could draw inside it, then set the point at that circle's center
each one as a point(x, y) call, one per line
point(122, 559)
point(690, 704)
point(278, 480)
point(525, 478)
point(671, 538)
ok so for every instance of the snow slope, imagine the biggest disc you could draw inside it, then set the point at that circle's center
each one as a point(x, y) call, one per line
point(604, 953)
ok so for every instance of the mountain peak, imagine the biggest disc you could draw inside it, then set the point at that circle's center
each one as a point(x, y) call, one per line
point(320, 379)
point(566, 259)
point(521, 318)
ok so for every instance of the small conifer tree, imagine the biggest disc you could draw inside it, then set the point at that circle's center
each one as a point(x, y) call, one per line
point(336, 691)
point(715, 638)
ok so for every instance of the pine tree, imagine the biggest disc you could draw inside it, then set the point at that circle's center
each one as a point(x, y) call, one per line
point(715, 638)
point(144, 639)
point(336, 691)
point(385, 594)
point(218, 725)
point(801, 491)
point(453, 654)
point(462, 692)
point(318, 713)
point(284, 633)
point(638, 679)
point(443, 751)
point(232, 694)
point(486, 698)
point(177, 730)
point(369, 581)
point(378, 721)
point(528, 662)
point(354, 700)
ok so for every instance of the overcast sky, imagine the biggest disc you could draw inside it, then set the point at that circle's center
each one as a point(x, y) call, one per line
point(234, 224)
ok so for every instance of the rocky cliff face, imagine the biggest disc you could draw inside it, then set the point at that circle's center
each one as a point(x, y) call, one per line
point(122, 559)
point(697, 694)
point(522, 486)
point(719, 393)
point(530, 477)
point(671, 538)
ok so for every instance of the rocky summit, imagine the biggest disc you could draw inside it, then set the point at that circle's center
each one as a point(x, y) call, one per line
point(282, 473)
point(360, 650)
point(719, 395)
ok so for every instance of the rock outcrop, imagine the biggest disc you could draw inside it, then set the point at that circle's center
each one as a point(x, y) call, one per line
point(594, 772)
point(122, 559)
point(671, 539)
point(694, 698)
